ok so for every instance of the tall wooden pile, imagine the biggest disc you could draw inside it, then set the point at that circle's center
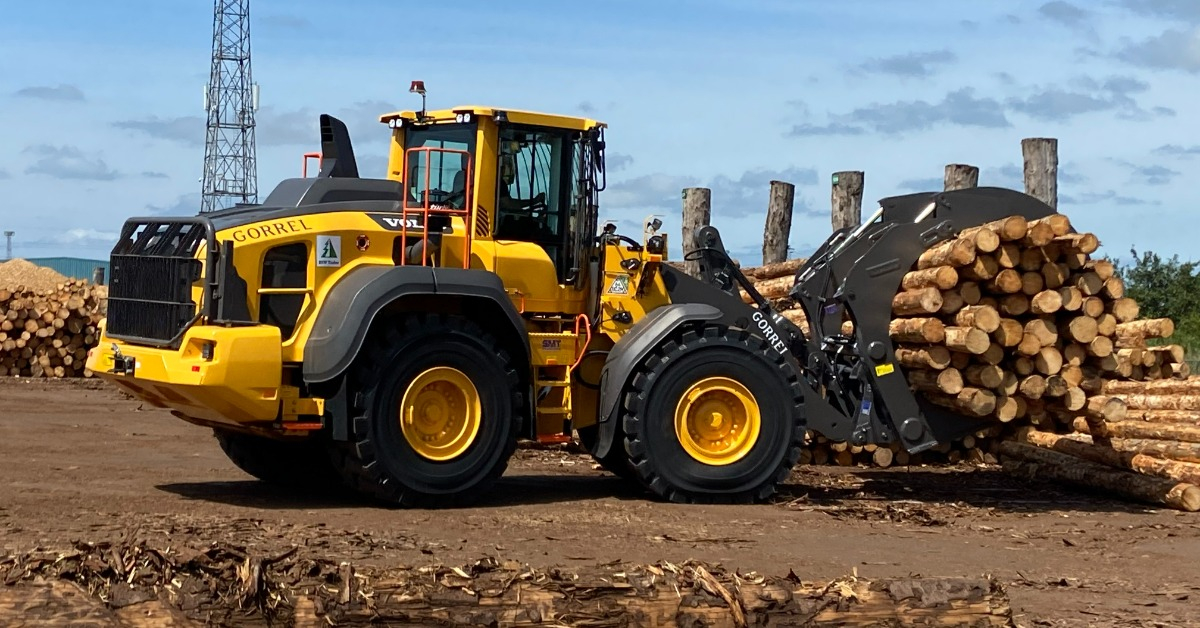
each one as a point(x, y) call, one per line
point(1015, 322)
point(47, 333)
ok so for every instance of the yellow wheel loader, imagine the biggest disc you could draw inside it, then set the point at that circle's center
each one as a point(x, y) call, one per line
point(399, 335)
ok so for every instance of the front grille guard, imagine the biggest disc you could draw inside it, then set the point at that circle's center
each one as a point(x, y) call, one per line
point(175, 242)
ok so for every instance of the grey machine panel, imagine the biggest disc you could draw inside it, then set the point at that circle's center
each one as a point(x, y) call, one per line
point(346, 315)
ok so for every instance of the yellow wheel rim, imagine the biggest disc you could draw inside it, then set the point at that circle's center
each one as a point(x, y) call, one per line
point(439, 413)
point(717, 421)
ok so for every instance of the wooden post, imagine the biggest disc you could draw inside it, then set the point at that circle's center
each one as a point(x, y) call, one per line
point(779, 222)
point(847, 199)
point(697, 212)
point(1041, 169)
point(961, 177)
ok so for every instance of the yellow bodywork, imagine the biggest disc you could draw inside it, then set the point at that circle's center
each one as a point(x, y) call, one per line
point(241, 383)
point(250, 381)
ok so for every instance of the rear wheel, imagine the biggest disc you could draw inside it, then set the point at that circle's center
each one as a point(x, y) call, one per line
point(435, 414)
point(291, 464)
point(713, 415)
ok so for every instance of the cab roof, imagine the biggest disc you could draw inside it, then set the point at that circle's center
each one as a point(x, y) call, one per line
point(517, 116)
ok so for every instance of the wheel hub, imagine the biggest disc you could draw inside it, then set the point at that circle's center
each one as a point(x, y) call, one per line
point(439, 413)
point(717, 421)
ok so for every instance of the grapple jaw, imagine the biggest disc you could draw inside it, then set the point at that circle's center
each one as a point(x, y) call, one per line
point(856, 273)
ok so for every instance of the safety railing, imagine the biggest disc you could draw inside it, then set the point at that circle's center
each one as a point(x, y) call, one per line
point(153, 268)
point(307, 156)
point(427, 207)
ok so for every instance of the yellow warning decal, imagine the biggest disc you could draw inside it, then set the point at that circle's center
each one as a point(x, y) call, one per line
point(884, 369)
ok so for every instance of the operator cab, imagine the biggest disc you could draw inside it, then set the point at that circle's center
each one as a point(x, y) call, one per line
point(525, 182)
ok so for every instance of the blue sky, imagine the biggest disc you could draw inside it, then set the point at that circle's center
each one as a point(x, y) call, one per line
point(103, 101)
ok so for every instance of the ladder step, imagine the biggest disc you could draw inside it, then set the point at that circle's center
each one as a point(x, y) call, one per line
point(553, 382)
point(542, 410)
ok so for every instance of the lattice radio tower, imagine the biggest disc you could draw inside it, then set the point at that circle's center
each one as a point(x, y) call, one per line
point(231, 99)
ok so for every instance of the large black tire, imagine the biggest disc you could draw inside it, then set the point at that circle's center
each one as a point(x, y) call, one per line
point(693, 354)
point(379, 460)
point(290, 464)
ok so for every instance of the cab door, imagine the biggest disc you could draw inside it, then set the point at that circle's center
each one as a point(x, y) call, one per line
point(533, 217)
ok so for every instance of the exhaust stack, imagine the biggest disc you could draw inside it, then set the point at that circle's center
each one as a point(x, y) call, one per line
point(337, 155)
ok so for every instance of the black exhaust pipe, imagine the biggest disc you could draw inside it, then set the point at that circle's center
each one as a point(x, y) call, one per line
point(337, 155)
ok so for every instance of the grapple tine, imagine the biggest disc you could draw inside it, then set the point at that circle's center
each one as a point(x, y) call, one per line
point(856, 273)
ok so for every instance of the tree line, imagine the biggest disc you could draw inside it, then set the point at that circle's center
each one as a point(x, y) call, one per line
point(1166, 288)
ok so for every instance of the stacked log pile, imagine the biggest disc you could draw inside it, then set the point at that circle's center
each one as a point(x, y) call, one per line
point(47, 333)
point(1014, 321)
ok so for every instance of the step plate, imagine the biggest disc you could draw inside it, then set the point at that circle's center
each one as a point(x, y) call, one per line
point(553, 349)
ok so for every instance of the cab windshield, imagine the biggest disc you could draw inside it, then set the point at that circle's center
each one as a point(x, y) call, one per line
point(446, 171)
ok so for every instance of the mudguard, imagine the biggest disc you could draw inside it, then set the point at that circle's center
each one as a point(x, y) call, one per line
point(630, 350)
point(347, 313)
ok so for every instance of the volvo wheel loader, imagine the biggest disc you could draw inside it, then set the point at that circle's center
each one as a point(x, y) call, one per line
point(399, 335)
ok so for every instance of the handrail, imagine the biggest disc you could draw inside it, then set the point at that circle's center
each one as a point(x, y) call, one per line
point(285, 290)
point(307, 156)
point(582, 318)
point(426, 208)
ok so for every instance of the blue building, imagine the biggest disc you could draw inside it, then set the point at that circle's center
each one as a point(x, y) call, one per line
point(73, 267)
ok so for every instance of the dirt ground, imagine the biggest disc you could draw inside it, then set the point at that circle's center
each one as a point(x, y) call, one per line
point(80, 462)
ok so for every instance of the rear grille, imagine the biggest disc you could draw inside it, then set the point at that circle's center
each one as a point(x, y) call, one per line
point(153, 268)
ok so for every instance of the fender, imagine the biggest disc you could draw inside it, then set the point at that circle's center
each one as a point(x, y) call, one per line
point(352, 305)
point(631, 349)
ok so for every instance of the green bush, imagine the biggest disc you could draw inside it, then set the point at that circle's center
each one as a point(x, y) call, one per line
point(1166, 288)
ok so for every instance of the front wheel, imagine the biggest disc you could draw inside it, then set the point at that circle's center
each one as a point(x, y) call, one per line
point(288, 464)
point(436, 414)
point(616, 461)
point(714, 415)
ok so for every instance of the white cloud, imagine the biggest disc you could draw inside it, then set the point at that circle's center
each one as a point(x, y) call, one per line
point(182, 205)
point(1172, 50)
point(285, 22)
point(187, 130)
point(910, 64)
point(86, 238)
point(657, 190)
point(60, 93)
point(67, 162)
